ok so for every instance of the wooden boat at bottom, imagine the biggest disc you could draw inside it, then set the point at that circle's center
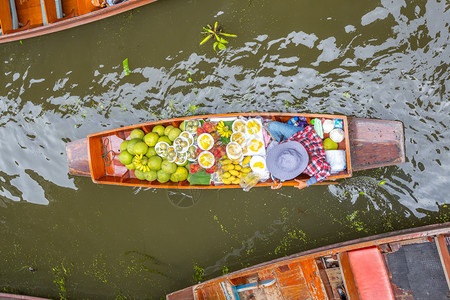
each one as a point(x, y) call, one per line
point(368, 143)
point(407, 264)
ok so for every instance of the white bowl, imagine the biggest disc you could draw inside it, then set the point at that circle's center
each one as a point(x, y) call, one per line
point(237, 121)
point(206, 153)
point(258, 159)
point(206, 136)
point(337, 135)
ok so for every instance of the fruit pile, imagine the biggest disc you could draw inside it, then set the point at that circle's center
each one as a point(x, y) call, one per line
point(232, 172)
point(140, 154)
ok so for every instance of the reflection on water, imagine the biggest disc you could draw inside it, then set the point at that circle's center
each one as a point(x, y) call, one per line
point(386, 60)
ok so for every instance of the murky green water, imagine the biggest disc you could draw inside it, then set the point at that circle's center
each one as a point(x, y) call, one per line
point(375, 59)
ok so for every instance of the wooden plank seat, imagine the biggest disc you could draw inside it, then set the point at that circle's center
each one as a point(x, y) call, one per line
point(370, 274)
point(8, 16)
point(52, 11)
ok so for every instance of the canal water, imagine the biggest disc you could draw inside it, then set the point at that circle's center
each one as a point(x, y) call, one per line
point(64, 237)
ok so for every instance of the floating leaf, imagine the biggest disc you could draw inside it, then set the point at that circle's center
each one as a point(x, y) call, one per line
point(228, 34)
point(20, 42)
point(347, 95)
point(190, 79)
point(205, 39)
point(215, 45)
point(222, 46)
point(382, 182)
point(362, 193)
point(125, 67)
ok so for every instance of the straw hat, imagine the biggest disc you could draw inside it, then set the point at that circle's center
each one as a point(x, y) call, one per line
point(287, 160)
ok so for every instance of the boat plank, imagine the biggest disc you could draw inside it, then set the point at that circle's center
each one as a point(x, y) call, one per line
point(29, 11)
point(347, 274)
point(5, 17)
point(444, 256)
point(184, 294)
point(313, 280)
point(375, 143)
point(50, 11)
point(291, 283)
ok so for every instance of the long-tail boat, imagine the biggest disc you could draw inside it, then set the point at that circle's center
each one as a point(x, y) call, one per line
point(404, 265)
point(368, 143)
point(21, 19)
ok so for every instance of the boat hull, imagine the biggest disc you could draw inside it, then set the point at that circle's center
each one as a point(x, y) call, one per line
point(67, 23)
point(369, 144)
point(295, 274)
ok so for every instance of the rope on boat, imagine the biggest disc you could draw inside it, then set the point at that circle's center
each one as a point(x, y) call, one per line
point(107, 155)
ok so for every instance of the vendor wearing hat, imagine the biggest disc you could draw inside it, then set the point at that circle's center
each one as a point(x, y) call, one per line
point(299, 150)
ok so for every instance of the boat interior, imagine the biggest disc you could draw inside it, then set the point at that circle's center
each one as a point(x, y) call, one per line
point(20, 15)
point(415, 268)
point(104, 149)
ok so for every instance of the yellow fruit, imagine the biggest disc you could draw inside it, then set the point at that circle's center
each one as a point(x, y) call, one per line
point(246, 170)
point(228, 167)
point(226, 175)
point(232, 178)
point(226, 181)
point(237, 167)
point(234, 173)
point(237, 181)
point(246, 160)
point(225, 162)
point(258, 165)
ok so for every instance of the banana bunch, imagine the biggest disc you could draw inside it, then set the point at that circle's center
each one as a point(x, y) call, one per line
point(140, 162)
point(232, 172)
point(223, 130)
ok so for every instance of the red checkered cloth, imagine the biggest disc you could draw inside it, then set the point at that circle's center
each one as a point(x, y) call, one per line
point(318, 166)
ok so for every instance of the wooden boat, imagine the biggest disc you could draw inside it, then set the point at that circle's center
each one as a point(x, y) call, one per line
point(21, 19)
point(407, 264)
point(5, 296)
point(368, 144)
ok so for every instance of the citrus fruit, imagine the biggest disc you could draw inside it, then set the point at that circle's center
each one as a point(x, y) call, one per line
point(123, 145)
point(150, 152)
point(125, 157)
point(137, 134)
point(329, 144)
point(131, 144)
point(151, 139)
point(168, 129)
point(159, 129)
point(130, 166)
point(139, 175)
point(165, 139)
point(154, 163)
point(183, 126)
point(162, 176)
point(168, 167)
point(150, 175)
point(180, 174)
point(174, 133)
point(140, 148)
